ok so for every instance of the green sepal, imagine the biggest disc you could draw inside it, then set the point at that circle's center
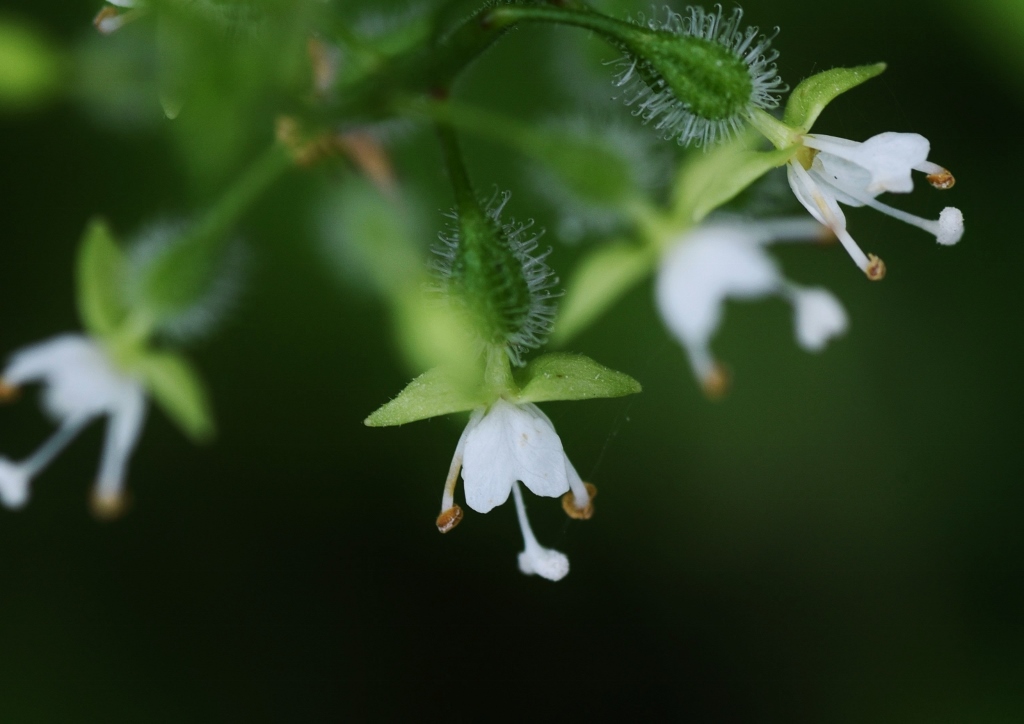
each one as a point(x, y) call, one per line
point(564, 376)
point(809, 99)
point(439, 391)
point(175, 386)
point(715, 178)
point(101, 277)
point(598, 281)
point(31, 69)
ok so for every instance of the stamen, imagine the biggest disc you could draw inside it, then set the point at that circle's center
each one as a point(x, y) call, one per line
point(537, 559)
point(578, 503)
point(108, 506)
point(937, 176)
point(449, 519)
point(716, 382)
point(42, 457)
point(8, 393)
point(451, 514)
point(123, 426)
point(110, 19)
point(831, 217)
point(876, 268)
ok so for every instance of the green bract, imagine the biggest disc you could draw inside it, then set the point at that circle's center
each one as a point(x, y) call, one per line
point(176, 387)
point(167, 376)
point(598, 280)
point(710, 181)
point(436, 392)
point(101, 278)
point(556, 376)
point(562, 376)
point(809, 99)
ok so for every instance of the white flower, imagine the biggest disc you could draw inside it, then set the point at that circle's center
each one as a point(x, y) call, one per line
point(831, 170)
point(726, 260)
point(110, 19)
point(501, 445)
point(80, 383)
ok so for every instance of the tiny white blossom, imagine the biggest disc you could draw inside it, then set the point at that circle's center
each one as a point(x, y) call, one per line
point(109, 19)
point(727, 260)
point(80, 383)
point(503, 444)
point(831, 170)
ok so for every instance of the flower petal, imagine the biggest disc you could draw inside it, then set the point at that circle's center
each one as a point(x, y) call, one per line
point(888, 159)
point(702, 270)
point(509, 443)
point(79, 377)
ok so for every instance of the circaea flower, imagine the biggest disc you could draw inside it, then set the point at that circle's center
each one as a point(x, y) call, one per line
point(505, 444)
point(80, 383)
point(727, 260)
point(829, 171)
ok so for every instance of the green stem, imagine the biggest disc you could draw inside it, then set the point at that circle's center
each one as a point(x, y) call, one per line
point(465, 197)
point(573, 13)
point(475, 120)
point(778, 133)
point(498, 372)
point(240, 197)
point(184, 273)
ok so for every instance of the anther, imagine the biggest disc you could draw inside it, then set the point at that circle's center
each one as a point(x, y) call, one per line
point(107, 506)
point(449, 519)
point(875, 270)
point(8, 393)
point(942, 180)
point(716, 382)
point(106, 20)
point(575, 512)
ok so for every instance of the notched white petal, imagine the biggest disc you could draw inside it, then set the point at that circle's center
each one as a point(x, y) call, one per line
point(512, 442)
point(79, 378)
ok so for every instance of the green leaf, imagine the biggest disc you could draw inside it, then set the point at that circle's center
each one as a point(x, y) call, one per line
point(31, 70)
point(176, 387)
point(439, 391)
point(598, 281)
point(715, 178)
point(101, 274)
point(563, 376)
point(372, 239)
point(809, 99)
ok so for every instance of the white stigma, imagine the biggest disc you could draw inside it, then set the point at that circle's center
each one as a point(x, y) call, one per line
point(536, 559)
point(14, 480)
point(951, 226)
point(819, 317)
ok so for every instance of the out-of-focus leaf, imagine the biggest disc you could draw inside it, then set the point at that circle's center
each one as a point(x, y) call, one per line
point(31, 69)
point(101, 270)
point(176, 387)
point(598, 281)
point(709, 180)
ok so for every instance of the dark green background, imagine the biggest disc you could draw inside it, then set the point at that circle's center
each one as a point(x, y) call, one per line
point(839, 540)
